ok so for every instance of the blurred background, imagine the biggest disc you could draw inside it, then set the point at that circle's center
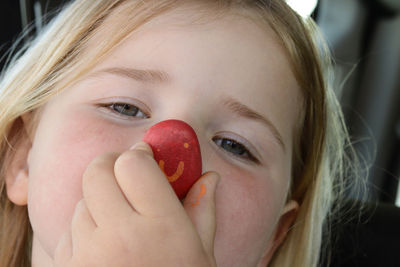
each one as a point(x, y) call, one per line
point(364, 38)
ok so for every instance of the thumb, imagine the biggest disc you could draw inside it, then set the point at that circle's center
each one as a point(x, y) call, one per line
point(200, 207)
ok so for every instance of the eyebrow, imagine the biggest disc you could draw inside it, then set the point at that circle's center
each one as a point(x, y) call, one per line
point(244, 111)
point(158, 76)
point(145, 76)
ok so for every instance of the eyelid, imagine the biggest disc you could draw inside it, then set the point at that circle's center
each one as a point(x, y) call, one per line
point(239, 139)
point(104, 102)
point(105, 105)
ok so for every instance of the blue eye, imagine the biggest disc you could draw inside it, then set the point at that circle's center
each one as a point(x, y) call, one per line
point(235, 148)
point(128, 110)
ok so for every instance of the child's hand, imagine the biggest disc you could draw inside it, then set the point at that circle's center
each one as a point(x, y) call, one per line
point(130, 216)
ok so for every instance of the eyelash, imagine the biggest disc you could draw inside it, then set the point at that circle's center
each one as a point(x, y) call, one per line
point(230, 145)
point(227, 144)
point(119, 108)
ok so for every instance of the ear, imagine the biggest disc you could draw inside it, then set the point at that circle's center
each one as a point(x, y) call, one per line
point(286, 220)
point(17, 172)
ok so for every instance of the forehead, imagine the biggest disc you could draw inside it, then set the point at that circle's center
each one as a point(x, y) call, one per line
point(227, 52)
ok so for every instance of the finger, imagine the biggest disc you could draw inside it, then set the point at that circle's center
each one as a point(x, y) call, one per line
point(63, 252)
point(82, 225)
point(200, 207)
point(103, 197)
point(144, 184)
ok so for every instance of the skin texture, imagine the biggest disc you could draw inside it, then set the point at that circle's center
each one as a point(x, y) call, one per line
point(78, 168)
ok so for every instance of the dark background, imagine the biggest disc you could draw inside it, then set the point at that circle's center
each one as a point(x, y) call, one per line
point(10, 21)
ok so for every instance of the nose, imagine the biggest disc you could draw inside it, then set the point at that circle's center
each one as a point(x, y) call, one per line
point(177, 151)
point(198, 119)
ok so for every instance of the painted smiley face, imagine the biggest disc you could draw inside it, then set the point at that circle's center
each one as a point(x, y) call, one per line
point(177, 152)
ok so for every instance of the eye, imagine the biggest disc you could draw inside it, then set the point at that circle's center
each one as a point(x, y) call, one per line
point(127, 110)
point(235, 148)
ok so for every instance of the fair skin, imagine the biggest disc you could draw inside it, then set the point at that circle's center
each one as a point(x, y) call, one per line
point(93, 201)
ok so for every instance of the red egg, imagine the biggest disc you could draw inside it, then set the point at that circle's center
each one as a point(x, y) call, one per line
point(177, 152)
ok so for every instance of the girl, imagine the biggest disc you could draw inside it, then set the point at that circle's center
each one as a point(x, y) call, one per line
point(78, 187)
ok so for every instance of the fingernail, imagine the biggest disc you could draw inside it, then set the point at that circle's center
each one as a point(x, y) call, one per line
point(216, 174)
point(141, 145)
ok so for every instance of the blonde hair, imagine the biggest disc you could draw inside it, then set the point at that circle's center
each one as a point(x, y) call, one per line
point(55, 60)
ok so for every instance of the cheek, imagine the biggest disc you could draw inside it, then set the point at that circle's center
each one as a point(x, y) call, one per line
point(248, 208)
point(58, 159)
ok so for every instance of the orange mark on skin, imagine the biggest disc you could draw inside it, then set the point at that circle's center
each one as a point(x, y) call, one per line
point(178, 173)
point(186, 145)
point(203, 191)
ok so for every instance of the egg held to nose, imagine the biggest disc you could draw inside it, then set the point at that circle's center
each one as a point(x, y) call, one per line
point(177, 151)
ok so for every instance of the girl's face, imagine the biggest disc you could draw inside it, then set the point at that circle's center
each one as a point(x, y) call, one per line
point(228, 78)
